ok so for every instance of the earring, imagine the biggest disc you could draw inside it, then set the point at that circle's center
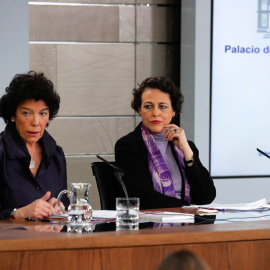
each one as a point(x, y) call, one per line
point(12, 120)
point(173, 115)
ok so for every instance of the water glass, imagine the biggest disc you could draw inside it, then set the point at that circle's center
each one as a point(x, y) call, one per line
point(127, 216)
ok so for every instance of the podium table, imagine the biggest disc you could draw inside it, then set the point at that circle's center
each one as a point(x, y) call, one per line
point(235, 245)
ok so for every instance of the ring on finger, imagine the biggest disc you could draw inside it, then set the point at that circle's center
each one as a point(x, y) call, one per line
point(175, 130)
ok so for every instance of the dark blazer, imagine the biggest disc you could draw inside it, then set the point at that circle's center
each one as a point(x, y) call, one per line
point(18, 186)
point(131, 156)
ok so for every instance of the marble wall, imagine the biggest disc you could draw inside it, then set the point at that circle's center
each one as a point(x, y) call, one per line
point(96, 52)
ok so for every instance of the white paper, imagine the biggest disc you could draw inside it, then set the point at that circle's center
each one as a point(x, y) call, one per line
point(168, 217)
point(104, 214)
point(239, 206)
point(96, 214)
point(63, 216)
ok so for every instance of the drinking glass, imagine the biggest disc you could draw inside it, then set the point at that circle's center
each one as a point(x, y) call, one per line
point(127, 216)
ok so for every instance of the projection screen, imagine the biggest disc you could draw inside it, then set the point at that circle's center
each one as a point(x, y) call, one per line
point(240, 88)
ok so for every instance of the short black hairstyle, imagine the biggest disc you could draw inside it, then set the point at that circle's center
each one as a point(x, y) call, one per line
point(28, 86)
point(165, 85)
point(183, 260)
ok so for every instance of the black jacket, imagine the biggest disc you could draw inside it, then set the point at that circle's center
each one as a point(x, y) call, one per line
point(18, 187)
point(131, 156)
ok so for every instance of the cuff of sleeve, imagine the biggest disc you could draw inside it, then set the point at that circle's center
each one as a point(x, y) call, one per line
point(12, 214)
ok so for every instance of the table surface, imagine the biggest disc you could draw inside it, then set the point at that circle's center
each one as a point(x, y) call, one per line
point(226, 244)
point(28, 234)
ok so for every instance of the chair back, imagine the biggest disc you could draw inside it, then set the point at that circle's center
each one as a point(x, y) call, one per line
point(108, 186)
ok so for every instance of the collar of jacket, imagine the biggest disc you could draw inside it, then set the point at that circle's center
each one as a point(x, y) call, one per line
point(16, 148)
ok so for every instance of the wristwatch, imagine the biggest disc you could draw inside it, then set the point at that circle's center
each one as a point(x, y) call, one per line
point(12, 214)
point(189, 161)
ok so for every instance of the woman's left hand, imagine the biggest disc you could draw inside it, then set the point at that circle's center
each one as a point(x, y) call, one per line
point(56, 210)
point(178, 136)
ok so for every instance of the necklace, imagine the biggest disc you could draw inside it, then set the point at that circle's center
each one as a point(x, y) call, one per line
point(33, 163)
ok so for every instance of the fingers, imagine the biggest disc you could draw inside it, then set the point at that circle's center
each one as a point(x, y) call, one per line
point(56, 210)
point(39, 209)
point(175, 132)
point(47, 196)
point(178, 136)
point(61, 209)
point(41, 212)
point(53, 202)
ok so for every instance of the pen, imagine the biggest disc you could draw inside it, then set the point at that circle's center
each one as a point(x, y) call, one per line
point(44, 220)
point(217, 209)
point(30, 219)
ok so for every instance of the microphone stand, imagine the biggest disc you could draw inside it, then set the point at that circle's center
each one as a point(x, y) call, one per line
point(118, 173)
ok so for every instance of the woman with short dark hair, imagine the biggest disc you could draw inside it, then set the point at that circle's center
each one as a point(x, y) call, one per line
point(32, 166)
point(161, 166)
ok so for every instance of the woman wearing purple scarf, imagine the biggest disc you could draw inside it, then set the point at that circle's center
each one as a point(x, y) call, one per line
point(161, 166)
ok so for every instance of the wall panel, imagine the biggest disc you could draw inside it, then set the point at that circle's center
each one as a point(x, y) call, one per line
point(154, 59)
point(79, 23)
point(95, 79)
point(150, 26)
point(43, 58)
point(89, 135)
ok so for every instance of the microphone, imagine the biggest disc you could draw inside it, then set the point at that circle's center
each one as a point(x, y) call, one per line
point(118, 173)
point(262, 152)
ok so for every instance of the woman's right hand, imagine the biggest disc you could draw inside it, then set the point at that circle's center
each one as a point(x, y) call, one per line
point(39, 208)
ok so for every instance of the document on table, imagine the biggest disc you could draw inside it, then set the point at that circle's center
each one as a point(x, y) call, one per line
point(258, 205)
point(167, 217)
point(104, 214)
point(96, 215)
point(156, 216)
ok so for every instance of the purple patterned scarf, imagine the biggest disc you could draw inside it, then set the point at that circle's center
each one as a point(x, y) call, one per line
point(161, 176)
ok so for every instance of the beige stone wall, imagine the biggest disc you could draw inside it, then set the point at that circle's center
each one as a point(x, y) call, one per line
point(95, 52)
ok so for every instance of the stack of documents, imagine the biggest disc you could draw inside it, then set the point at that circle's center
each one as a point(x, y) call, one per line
point(155, 216)
point(258, 205)
point(96, 215)
point(167, 217)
